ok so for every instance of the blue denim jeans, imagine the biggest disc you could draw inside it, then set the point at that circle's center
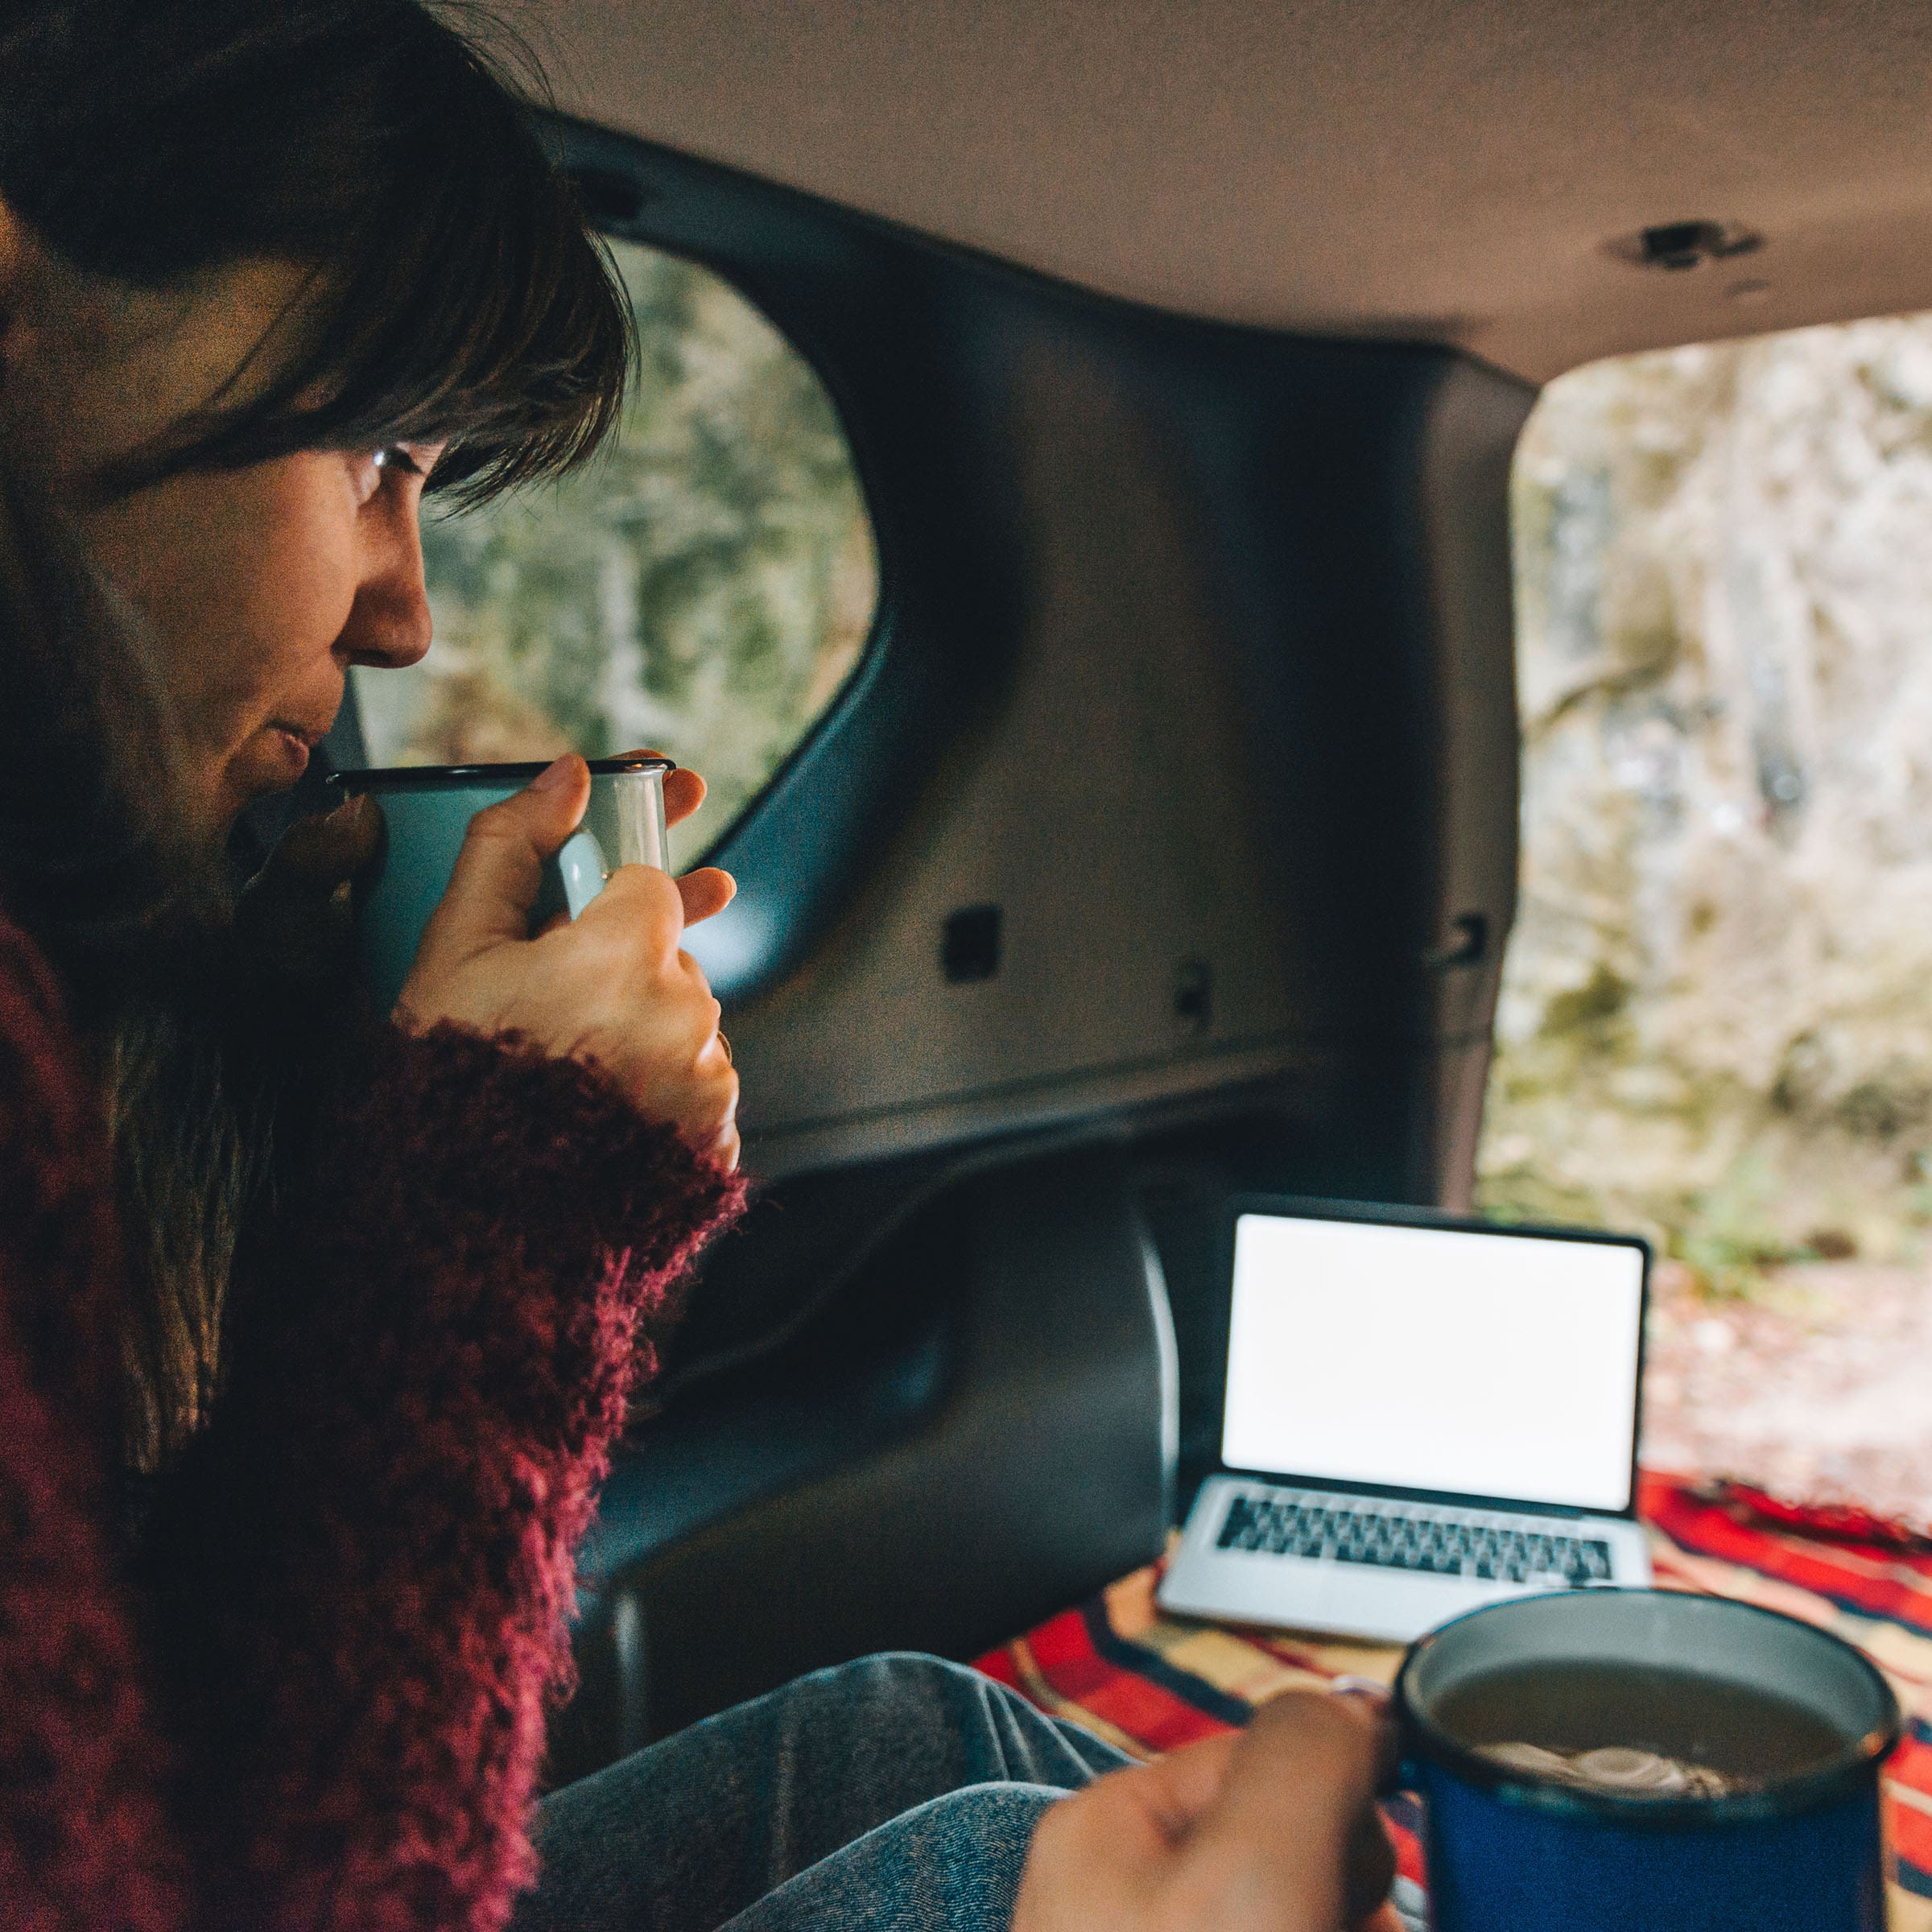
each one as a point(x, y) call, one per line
point(896, 1794)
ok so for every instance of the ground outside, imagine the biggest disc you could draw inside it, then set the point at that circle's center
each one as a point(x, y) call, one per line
point(1149, 1682)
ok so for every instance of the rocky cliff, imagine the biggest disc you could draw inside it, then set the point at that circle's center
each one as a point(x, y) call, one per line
point(1717, 1020)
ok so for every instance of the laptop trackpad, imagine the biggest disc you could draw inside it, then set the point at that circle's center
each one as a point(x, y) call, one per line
point(1399, 1608)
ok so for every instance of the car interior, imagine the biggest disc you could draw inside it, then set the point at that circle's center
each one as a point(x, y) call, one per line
point(1163, 845)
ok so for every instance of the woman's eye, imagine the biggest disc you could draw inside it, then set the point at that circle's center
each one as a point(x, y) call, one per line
point(394, 456)
point(373, 466)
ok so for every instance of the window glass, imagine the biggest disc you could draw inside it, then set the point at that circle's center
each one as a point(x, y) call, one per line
point(705, 587)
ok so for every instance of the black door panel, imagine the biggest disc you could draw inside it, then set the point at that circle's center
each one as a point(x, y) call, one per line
point(1173, 816)
point(981, 1433)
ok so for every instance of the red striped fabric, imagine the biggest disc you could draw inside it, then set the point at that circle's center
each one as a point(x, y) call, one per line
point(1152, 1683)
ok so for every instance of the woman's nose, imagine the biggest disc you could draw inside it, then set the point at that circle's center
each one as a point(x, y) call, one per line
point(388, 622)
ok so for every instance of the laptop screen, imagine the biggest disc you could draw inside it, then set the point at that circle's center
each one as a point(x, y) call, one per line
point(1448, 1359)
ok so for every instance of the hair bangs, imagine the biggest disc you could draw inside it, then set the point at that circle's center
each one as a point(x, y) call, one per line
point(470, 305)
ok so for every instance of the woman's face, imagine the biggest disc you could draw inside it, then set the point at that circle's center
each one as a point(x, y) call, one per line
point(260, 586)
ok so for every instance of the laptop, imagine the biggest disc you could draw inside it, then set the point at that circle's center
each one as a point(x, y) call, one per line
point(1420, 1415)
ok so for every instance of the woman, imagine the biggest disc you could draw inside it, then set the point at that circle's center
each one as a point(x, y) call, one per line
point(361, 1304)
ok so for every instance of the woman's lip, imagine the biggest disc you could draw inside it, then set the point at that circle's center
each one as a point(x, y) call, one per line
point(292, 749)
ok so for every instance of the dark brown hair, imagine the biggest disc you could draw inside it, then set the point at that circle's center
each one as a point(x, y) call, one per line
point(97, 866)
point(453, 293)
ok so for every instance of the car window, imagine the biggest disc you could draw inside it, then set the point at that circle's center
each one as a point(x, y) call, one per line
point(705, 587)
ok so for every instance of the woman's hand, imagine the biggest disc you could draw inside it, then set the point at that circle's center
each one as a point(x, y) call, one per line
point(611, 987)
point(296, 915)
point(1271, 1829)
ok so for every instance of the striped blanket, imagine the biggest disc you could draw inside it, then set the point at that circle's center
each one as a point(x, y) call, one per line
point(1151, 1682)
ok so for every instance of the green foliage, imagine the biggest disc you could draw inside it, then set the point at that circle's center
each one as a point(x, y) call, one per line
point(704, 588)
point(1728, 1233)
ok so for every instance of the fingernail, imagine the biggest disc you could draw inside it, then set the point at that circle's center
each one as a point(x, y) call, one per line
point(553, 777)
point(1359, 1687)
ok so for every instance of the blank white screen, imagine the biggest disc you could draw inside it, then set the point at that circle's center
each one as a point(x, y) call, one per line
point(1481, 1364)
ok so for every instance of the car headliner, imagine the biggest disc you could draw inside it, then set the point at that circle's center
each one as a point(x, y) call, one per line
point(1452, 170)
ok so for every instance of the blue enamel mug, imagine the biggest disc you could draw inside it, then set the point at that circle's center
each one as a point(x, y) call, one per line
point(1513, 1848)
point(426, 812)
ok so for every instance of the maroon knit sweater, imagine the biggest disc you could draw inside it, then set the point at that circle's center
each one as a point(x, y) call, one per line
point(319, 1701)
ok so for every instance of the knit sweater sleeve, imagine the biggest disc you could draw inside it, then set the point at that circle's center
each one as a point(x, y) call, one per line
point(85, 1838)
point(363, 1572)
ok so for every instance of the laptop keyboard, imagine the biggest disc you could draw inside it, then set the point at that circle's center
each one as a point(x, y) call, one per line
point(1392, 1539)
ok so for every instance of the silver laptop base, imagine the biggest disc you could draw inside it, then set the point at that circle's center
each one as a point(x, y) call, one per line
point(1373, 1578)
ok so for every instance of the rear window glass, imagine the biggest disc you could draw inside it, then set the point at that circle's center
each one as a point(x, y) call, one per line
point(706, 587)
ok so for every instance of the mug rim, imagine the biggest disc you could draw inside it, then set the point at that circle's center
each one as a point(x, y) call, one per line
point(403, 776)
point(1798, 1792)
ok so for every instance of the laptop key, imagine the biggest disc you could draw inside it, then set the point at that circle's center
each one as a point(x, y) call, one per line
point(1396, 1540)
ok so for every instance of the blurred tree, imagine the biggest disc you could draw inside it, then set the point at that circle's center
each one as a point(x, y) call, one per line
point(705, 587)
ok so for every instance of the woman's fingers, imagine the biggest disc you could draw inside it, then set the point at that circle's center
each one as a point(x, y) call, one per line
point(724, 1148)
point(705, 892)
point(297, 913)
point(498, 872)
point(1371, 1868)
point(611, 987)
point(639, 903)
point(319, 854)
point(1299, 1793)
point(1374, 1702)
point(1178, 1790)
point(1272, 1829)
point(684, 790)
point(683, 793)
